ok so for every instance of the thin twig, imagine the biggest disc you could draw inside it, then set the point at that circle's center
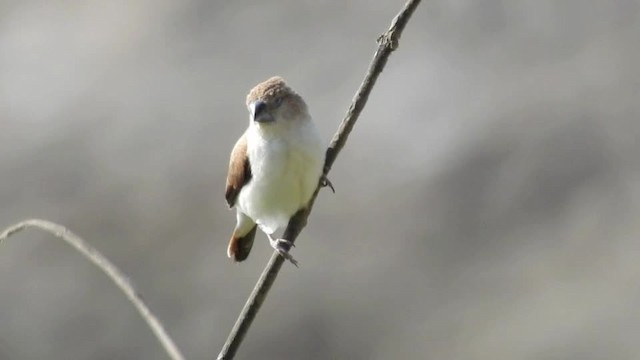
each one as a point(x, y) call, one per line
point(387, 43)
point(108, 268)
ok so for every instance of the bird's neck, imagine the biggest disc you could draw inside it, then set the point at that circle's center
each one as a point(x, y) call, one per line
point(282, 130)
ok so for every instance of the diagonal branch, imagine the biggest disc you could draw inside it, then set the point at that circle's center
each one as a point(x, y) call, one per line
point(387, 43)
point(109, 269)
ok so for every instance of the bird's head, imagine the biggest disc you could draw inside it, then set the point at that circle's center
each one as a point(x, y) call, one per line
point(273, 103)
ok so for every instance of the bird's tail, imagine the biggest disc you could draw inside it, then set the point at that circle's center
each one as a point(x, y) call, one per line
point(240, 245)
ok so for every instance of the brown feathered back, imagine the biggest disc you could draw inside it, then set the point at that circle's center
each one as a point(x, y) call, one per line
point(239, 171)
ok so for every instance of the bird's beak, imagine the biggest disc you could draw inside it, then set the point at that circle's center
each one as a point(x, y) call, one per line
point(259, 112)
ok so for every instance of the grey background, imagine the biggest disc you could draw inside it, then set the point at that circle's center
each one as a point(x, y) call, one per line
point(487, 201)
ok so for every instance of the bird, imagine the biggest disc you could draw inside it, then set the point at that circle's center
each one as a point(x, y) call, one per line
point(274, 167)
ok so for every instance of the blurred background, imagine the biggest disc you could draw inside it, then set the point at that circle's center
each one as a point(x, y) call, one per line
point(487, 201)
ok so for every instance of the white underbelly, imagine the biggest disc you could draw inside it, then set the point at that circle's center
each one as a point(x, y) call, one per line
point(283, 181)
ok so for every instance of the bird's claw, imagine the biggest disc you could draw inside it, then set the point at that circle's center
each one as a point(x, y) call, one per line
point(282, 246)
point(324, 182)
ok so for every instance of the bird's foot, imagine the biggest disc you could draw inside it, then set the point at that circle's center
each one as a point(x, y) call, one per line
point(324, 182)
point(282, 246)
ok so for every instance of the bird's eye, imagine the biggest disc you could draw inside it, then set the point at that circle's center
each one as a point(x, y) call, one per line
point(278, 101)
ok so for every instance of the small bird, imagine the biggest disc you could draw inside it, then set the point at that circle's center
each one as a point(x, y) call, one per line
point(274, 168)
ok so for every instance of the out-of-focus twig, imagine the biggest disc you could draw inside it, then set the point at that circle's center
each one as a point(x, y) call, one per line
point(108, 268)
point(387, 43)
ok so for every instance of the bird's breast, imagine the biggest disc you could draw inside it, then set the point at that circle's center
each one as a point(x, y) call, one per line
point(285, 174)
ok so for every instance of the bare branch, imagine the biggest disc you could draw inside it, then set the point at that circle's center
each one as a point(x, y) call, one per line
point(387, 43)
point(108, 268)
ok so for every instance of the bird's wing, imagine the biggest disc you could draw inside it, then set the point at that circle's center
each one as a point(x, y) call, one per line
point(239, 171)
